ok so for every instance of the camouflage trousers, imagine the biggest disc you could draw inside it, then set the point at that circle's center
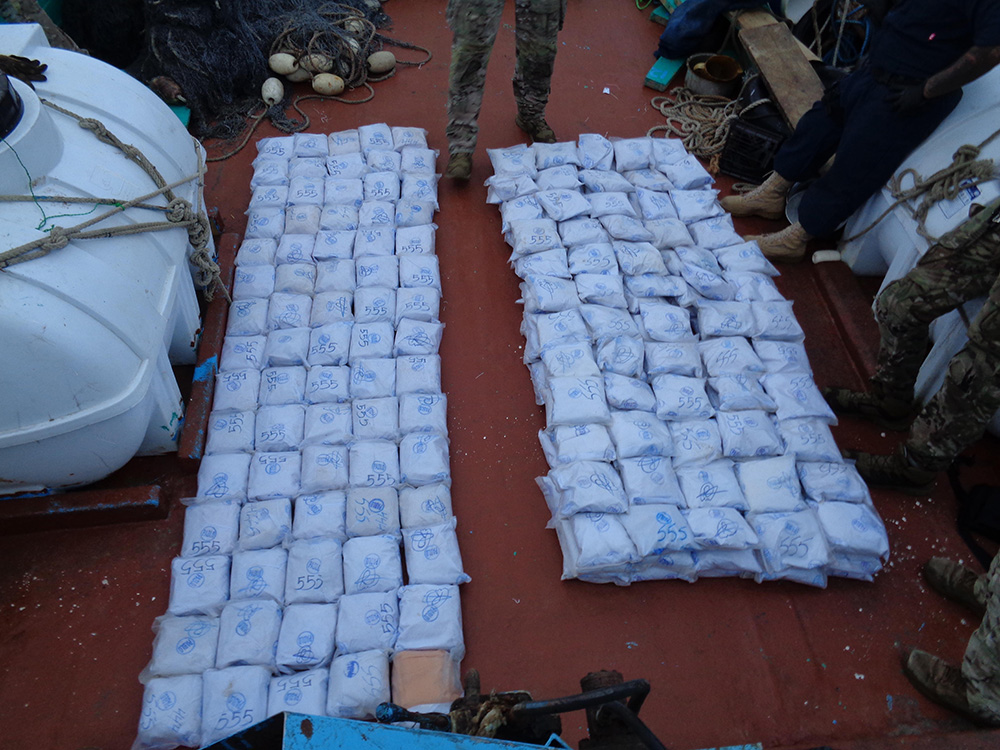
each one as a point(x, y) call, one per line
point(963, 265)
point(981, 665)
point(475, 24)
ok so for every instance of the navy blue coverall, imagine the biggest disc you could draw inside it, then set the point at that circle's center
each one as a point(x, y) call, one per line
point(855, 120)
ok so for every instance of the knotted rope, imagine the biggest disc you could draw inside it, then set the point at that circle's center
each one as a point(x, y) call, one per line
point(966, 170)
point(178, 213)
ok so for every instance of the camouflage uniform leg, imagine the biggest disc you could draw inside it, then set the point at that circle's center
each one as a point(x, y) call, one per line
point(475, 25)
point(945, 278)
point(958, 413)
point(981, 665)
point(538, 24)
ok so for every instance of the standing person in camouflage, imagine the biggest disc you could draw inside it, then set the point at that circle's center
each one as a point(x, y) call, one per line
point(972, 690)
point(963, 265)
point(475, 24)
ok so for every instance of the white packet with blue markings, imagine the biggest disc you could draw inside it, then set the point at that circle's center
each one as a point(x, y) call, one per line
point(423, 412)
point(236, 390)
point(328, 424)
point(305, 640)
point(602, 541)
point(233, 699)
point(248, 633)
point(790, 540)
point(210, 528)
point(377, 418)
point(712, 485)
point(171, 713)
point(721, 528)
point(650, 480)
point(430, 617)
point(853, 528)
point(771, 484)
point(323, 514)
point(282, 385)
point(432, 554)
point(374, 304)
point(372, 511)
point(841, 481)
point(359, 682)
point(372, 564)
point(324, 467)
point(695, 441)
point(258, 574)
point(576, 400)
point(265, 523)
point(367, 621)
point(418, 373)
point(639, 433)
point(302, 692)
point(315, 572)
point(198, 585)
point(748, 434)
point(424, 506)
point(183, 645)
point(241, 352)
point(279, 428)
point(373, 463)
point(423, 459)
point(809, 439)
point(655, 529)
point(563, 444)
point(327, 384)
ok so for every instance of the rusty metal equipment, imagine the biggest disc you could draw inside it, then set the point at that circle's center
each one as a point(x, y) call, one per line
point(612, 707)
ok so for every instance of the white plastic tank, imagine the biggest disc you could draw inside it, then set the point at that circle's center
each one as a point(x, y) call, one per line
point(893, 246)
point(88, 332)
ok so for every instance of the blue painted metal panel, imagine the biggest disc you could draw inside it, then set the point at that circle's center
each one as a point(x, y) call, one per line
point(322, 733)
point(290, 731)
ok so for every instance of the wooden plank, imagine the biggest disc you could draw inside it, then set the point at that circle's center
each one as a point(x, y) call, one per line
point(659, 15)
point(793, 84)
point(755, 18)
point(663, 70)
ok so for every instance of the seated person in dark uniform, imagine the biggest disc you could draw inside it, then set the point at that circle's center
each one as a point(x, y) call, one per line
point(921, 55)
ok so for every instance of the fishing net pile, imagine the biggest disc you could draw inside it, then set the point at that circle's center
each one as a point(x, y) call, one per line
point(217, 53)
point(214, 56)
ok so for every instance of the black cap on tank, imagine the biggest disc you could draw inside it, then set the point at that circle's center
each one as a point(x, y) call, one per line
point(11, 108)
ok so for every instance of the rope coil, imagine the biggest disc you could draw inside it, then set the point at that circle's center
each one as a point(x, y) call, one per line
point(179, 213)
point(701, 121)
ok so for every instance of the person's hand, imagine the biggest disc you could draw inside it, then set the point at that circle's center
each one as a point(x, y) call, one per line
point(906, 99)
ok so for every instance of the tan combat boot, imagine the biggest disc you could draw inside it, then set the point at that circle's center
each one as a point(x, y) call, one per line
point(955, 582)
point(537, 128)
point(886, 411)
point(459, 166)
point(944, 684)
point(893, 472)
point(766, 201)
point(788, 245)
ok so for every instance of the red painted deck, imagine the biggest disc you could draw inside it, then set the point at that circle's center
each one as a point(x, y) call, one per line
point(729, 661)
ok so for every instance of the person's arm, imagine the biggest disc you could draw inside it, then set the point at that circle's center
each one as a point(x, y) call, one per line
point(970, 66)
